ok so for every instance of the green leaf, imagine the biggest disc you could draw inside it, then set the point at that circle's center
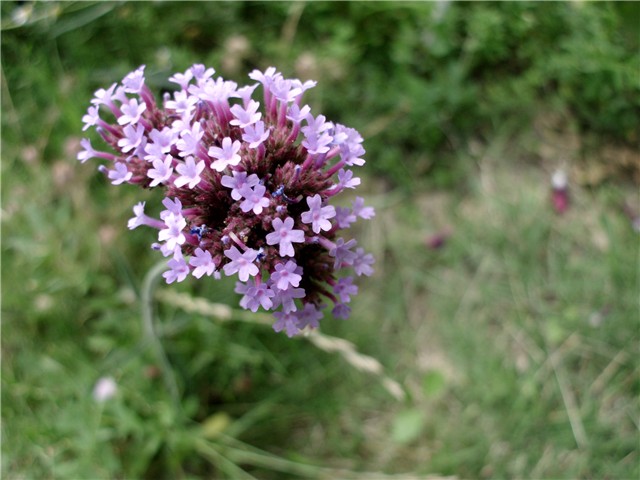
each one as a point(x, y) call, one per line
point(433, 382)
point(407, 426)
point(215, 424)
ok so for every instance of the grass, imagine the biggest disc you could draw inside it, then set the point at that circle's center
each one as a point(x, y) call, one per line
point(516, 342)
point(515, 304)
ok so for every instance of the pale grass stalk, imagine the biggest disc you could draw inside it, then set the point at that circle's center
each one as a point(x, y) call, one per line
point(224, 313)
point(240, 452)
point(148, 286)
point(600, 382)
point(470, 289)
point(219, 311)
point(355, 359)
point(571, 406)
point(211, 454)
point(569, 344)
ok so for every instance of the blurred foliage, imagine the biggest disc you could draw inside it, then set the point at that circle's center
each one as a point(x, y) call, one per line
point(420, 81)
point(426, 77)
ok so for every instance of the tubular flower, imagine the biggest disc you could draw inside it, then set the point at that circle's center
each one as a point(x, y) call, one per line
point(247, 186)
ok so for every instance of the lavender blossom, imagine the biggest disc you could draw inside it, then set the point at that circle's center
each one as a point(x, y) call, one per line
point(284, 235)
point(249, 186)
point(318, 216)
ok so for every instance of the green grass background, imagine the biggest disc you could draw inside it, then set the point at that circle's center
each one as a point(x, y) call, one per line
point(516, 342)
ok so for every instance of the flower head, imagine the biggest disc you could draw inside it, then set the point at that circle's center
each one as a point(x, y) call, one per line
point(249, 185)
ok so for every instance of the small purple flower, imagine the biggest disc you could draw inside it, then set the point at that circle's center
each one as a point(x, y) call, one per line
point(225, 156)
point(346, 180)
point(201, 73)
point(350, 145)
point(241, 263)
point(178, 269)
point(202, 262)
point(88, 151)
point(91, 119)
point(104, 97)
point(318, 216)
point(287, 322)
point(284, 90)
point(344, 217)
point(255, 134)
point(134, 81)
point(316, 125)
point(214, 91)
point(172, 207)
point(317, 143)
point(342, 252)
point(304, 86)
point(285, 275)
point(284, 235)
point(362, 262)
point(361, 211)
point(137, 220)
point(287, 297)
point(182, 79)
point(140, 218)
point(131, 112)
point(310, 317)
point(120, 175)
point(297, 114)
point(161, 171)
point(190, 140)
point(189, 173)
point(255, 296)
point(161, 143)
point(266, 78)
point(341, 311)
point(173, 235)
point(254, 199)
point(245, 93)
point(345, 289)
point(183, 103)
point(245, 116)
point(132, 139)
point(238, 181)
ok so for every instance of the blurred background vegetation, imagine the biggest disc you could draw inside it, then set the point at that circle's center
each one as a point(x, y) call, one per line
point(516, 340)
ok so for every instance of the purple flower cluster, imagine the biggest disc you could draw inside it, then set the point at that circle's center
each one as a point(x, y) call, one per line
point(247, 186)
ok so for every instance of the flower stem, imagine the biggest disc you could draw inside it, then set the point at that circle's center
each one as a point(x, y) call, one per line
point(148, 287)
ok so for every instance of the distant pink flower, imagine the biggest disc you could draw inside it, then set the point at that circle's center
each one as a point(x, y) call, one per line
point(105, 389)
point(560, 192)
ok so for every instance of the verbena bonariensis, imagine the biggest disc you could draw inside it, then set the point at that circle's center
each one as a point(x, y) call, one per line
point(248, 186)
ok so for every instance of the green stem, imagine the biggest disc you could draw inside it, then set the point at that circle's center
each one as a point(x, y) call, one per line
point(148, 287)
